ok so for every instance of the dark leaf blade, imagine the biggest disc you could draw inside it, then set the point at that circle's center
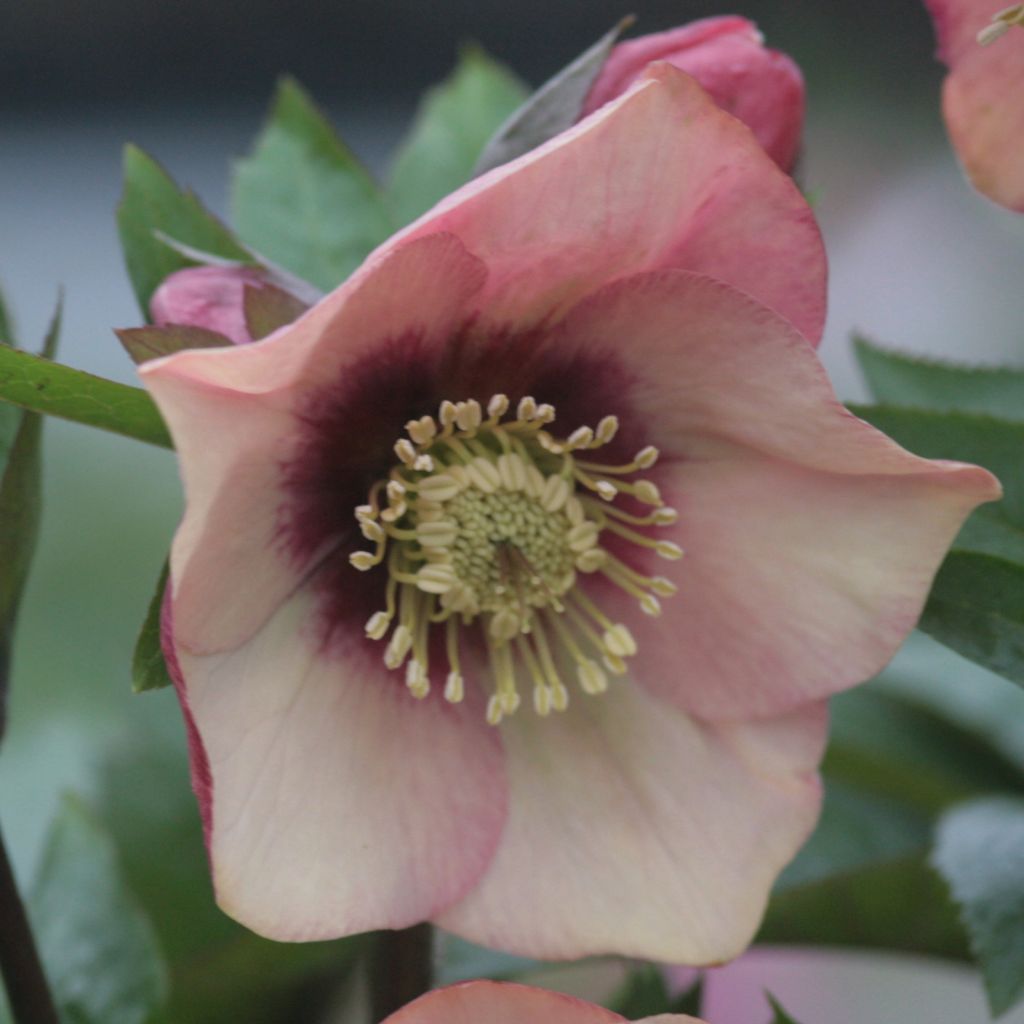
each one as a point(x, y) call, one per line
point(995, 528)
point(145, 343)
point(303, 199)
point(976, 607)
point(20, 498)
point(900, 379)
point(454, 122)
point(6, 323)
point(149, 669)
point(892, 765)
point(780, 1015)
point(691, 1001)
point(43, 386)
point(268, 308)
point(900, 905)
point(99, 948)
point(980, 852)
point(643, 994)
point(152, 203)
point(553, 108)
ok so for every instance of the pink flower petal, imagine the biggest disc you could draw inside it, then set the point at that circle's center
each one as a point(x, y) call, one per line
point(761, 87)
point(339, 803)
point(234, 416)
point(502, 1002)
point(635, 829)
point(811, 539)
point(659, 178)
point(981, 97)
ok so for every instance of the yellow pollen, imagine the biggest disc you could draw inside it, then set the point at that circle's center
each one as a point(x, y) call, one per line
point(490, 525)
point(1002, 21)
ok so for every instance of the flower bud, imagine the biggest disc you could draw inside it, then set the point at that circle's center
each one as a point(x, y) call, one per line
point(210, 297)
point(727, 56)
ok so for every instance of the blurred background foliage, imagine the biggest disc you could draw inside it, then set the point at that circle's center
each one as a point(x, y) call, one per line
point(918, 261)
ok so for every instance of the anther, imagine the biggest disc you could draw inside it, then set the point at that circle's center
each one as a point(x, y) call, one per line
point(405, 451)
point(646, 457)
point(619, 641)
point(363, 560)
point(668, 550)
point(592, 680)
point(497, 407)
point(439, 488)
point(377, 625)
point(371, 530)
point(436, 578)
point(467, 415)
point(423, 430)
point(579, 438)
point(446, 414)
point(527, 409)
point(647, 492)
point(454, 688)
point(607, 428)
point(416, 679)
point(398, 646)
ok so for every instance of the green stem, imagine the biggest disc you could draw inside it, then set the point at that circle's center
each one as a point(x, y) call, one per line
point(401, 969)
point(27, 990)
point(54, 389)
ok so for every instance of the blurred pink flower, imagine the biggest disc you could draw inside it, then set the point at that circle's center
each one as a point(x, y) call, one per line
point(497, 1002)
point(763, 88)
point(208, 297)
point(653, 277)
point(981, 97)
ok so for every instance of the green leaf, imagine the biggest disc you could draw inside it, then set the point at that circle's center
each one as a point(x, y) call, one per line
point(980, 852)
point(149, 670)
point(145, 343)
point(151, 202)
point(303, 199)
point(99, 949)
point(899, 379)
point(977, 601)
point(267, 308)
point(892, 765)
point(455, 120)
point(555, 106)
point(900, 905)
point(781, 1017)
point(6, 326)
point(645, 994)
point(977, 607)
point(43, 386)
point(20, 487)
point(996, 528)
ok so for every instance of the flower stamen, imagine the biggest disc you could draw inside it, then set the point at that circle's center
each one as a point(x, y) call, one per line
point(488, 522)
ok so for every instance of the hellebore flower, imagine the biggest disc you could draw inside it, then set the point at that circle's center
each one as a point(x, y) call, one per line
point(498, 1002)
point(983, 47)
point(428, 662)
point(763, 88)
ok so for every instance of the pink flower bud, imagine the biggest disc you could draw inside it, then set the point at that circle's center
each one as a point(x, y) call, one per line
point(727, 56)
point(210, 297)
